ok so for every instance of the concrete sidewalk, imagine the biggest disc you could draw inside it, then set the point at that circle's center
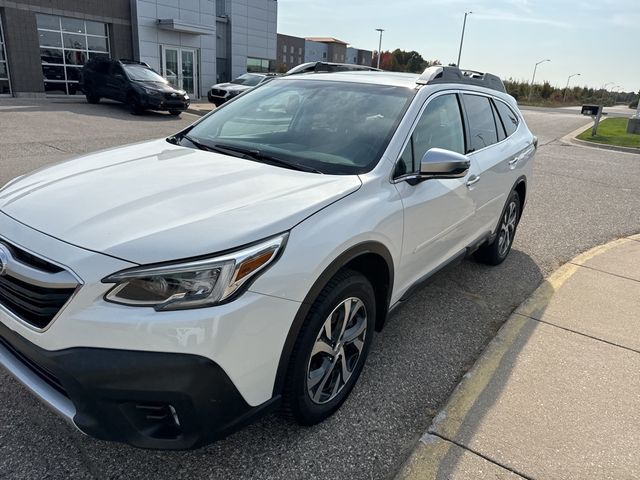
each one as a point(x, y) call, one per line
point(556, 395)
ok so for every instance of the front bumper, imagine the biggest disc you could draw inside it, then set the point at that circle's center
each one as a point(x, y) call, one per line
point(218, 100)
point(153, 103)
point(146, 399)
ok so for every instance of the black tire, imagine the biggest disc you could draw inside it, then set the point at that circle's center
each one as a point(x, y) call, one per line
point(297, 401)
point(92, 98)
point(134, 105)
point(175, 113)
point(497, 251)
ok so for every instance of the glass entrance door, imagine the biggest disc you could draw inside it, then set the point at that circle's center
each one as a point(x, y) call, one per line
point(188, 70)
point(179, 66)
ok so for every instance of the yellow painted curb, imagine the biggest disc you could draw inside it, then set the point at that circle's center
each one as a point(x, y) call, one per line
point(425, 461)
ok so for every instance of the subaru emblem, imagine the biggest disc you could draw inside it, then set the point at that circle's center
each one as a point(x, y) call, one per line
point(4, 260)
point(174, 94)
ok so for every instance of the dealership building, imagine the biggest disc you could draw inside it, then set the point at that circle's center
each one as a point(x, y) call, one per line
point(193, 43)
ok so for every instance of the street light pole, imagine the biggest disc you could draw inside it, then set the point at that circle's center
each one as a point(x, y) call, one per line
point(464, 24)
point(615, 94)
point(379, 45)
point(564, 99)
point(604, 88)
point(533, 79)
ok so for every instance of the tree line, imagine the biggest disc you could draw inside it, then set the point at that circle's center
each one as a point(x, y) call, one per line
point(546, 93)
point(412, 62)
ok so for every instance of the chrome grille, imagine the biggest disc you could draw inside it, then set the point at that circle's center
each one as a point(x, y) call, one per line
point(33, 289)
point(175, 97)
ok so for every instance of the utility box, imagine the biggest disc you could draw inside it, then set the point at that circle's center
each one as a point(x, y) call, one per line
point(634, 125)
point(591, 110)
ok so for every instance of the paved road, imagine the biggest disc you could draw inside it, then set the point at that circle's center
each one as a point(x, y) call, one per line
point(581, 197)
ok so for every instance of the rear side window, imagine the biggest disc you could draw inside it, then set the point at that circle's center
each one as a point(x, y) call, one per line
point(501, 132)
point(508, 117)
point(440, 126)
point(482, 126)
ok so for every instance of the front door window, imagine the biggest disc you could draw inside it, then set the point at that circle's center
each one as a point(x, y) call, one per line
point(179, 66)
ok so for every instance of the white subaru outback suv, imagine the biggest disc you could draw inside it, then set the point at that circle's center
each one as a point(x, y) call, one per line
point(166, 293)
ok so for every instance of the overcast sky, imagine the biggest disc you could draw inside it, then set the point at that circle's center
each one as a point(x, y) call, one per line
point(600, 39)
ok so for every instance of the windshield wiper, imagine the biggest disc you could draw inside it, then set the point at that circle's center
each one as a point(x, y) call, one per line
point(255, 154)
point(248, 153)
point(210, 148)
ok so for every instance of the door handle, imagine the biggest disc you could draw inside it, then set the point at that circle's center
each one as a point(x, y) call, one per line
point(513, 162)
point(473, 179)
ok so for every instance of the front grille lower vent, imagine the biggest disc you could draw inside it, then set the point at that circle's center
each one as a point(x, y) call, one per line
point(34, 289)
point(42, 372)
point(35, 305)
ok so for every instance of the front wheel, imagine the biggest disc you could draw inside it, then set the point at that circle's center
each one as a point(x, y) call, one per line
point(331, 349)
point(92, 98)
point(496, 252)
point(134, 105)
point(175, 113)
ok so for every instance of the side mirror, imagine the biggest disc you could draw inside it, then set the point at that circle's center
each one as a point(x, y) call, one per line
point(441, 163)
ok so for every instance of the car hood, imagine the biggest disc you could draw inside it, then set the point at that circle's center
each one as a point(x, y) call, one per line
point(161, 87)
point(154, 201)
point(232, 87)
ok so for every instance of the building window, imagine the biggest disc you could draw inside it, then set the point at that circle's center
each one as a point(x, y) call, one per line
point(284, 49)
point(299, 50)
point(324, 54)
point(284, 58)
point(257, 65)
point(291, 49)
point(65, 46)
point(5, 86)
point(299, 59)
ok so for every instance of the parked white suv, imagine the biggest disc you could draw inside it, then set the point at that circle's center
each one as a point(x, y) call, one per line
point(165, 293)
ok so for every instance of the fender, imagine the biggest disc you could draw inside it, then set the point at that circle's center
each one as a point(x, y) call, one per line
point(522, 180)
point(343, 259)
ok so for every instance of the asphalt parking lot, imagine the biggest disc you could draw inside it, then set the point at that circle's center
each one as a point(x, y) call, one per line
point(580, 197)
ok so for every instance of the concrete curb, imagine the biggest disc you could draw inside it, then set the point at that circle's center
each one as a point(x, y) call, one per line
point(571, 139)
point(199, 112)
point(428, 455)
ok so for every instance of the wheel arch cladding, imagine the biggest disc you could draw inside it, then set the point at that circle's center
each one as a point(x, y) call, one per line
point(374, 261)
point(520, 188)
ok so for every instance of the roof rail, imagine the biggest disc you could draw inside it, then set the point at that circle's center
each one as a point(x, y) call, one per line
point(326, 67)
point(126, 61)
point(441, 74)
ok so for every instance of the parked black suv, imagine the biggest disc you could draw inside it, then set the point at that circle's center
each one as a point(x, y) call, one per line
point(133, 83)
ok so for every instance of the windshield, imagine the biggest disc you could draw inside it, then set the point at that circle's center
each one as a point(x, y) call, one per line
point(248, 80)
point(143, 74)
point(332, 127)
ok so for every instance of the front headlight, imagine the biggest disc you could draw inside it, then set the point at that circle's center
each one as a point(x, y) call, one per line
point(195, 284)
point(151, 91)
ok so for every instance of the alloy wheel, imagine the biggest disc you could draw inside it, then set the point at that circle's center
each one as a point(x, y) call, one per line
point(507, 228)
point(337, 350)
